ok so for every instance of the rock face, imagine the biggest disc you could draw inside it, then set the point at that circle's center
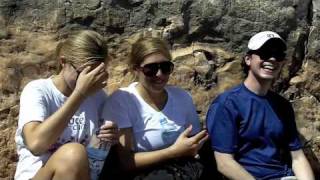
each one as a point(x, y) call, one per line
point(208, 39)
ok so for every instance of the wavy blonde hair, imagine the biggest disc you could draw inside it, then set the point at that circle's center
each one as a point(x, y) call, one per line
point(81, 47)
point(144, 47)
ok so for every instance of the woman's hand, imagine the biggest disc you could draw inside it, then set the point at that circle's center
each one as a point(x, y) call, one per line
point(89, 81)
point(188, 146)
point(109, 132)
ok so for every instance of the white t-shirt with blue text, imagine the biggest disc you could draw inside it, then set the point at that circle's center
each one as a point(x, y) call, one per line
point(152, 129)
point(40, 99)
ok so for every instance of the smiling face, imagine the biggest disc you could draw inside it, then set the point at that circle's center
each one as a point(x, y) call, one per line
point(263, 69)
point(265, 63)
point(157, 82)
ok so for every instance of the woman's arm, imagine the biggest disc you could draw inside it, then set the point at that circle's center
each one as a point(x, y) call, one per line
point(183, 147)
point(39, 136)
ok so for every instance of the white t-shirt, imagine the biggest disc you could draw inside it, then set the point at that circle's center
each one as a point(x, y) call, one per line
point(152, 129)
point(40, 99)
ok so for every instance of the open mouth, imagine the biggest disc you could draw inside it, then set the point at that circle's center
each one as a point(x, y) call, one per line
point(269, 67)
point(158, 81)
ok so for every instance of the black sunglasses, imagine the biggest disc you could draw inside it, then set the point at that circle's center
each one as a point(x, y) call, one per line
point(265, 55)
point(80, 69)
point(77, 70)
point(152, 69)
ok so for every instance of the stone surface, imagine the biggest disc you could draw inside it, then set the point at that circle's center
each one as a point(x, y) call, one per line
point(208, 40)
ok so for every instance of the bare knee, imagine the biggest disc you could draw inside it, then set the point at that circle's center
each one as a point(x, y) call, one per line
point(71, 159)
point(69, 162)
point(73, 153)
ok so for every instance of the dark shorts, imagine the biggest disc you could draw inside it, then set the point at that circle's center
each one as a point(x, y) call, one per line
point(178, 169)
point(182, 169)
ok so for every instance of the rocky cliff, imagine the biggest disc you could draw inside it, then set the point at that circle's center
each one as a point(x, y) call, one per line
point(208, 39)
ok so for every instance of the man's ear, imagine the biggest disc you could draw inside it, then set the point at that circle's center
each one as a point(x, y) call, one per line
point(247, 59)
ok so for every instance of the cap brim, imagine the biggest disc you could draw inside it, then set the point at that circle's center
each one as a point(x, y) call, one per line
point(275, 42)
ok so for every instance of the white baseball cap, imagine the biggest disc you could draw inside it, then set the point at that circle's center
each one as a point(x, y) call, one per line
point(259, 39)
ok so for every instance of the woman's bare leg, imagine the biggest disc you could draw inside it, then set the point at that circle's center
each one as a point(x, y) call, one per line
point(69, 162)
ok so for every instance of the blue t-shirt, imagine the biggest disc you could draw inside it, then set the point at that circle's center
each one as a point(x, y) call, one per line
point(259, 130)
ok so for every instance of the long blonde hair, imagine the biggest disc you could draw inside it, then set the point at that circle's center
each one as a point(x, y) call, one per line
point(82, 46)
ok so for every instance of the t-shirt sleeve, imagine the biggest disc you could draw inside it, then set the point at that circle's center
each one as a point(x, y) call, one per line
point(222, 127)
point(292, 132)
point(116, 109)
point(101, 99)
point(192, 116)
point(33, 105)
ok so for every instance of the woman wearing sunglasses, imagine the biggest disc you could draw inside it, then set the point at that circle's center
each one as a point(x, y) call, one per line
point(58, 115)
point(158, 122)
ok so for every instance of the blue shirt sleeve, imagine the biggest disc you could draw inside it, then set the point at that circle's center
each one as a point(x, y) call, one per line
point(292, 132)
point(222, 127)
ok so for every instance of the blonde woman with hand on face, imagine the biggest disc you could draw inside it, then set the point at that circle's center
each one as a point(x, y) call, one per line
point(58, 115)
point(158, 122)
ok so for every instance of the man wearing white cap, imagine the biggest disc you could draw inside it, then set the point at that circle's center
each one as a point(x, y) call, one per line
point(252, 129)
